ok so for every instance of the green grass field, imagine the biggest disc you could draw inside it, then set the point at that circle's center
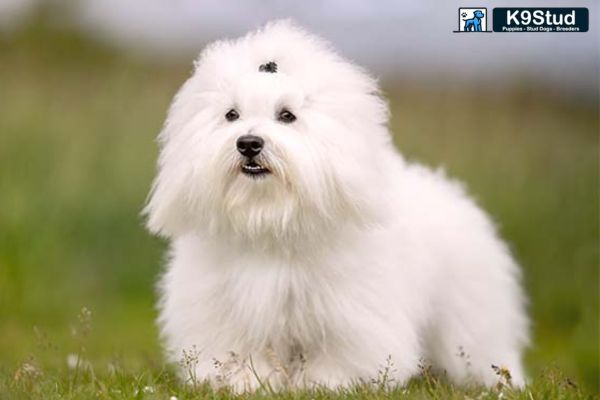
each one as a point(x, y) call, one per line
point(77, 153)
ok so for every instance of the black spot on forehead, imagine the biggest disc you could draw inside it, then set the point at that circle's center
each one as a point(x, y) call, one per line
point(270, 67)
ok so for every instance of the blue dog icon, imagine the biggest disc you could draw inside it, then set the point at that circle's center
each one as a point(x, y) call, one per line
point(474, 24)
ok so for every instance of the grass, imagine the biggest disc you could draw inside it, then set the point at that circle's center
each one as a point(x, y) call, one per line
point(78, 377)
point(77, 124)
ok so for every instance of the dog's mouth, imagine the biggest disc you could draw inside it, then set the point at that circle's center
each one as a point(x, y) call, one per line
point(254, 169)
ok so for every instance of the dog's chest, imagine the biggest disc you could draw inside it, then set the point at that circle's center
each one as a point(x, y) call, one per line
point(282, 305)
point(254, 302)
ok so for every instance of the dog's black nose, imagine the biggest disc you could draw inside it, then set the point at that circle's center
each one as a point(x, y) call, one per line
point(250, 145)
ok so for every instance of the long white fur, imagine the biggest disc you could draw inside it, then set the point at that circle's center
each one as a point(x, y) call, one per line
point(343, 256)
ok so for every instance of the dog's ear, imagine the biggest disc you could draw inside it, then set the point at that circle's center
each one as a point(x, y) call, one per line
point(165, 209)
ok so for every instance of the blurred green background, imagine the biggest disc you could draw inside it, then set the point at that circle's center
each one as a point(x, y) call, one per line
point(77, 155)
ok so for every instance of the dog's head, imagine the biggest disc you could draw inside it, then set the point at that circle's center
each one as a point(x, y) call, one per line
point(274, 135)
point(478, 14)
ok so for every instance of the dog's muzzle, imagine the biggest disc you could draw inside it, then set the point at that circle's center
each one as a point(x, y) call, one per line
point(250, 147)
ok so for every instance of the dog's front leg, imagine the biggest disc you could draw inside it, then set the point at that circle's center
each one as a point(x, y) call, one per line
point(241, 374)
point(369, 349)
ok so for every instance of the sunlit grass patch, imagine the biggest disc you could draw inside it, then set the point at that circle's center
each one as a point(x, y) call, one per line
point(77, 376)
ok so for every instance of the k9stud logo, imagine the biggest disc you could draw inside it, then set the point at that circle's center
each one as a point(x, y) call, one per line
point(524, 19)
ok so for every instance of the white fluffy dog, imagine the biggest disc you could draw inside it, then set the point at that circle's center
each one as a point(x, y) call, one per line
point(304, 249)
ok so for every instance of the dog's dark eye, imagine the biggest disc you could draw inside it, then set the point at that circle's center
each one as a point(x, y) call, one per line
point(232, 115)
point(286, 116)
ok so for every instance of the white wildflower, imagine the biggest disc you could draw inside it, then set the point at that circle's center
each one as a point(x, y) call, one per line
point(72, 361)
point(148, 389)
